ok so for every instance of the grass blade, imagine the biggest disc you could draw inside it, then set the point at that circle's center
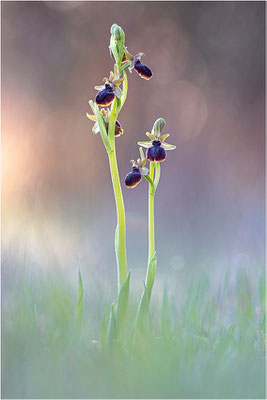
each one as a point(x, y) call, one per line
point(151, 275)
point(111, 336)
point(79, 305)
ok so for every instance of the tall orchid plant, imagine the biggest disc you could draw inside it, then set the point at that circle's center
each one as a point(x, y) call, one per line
point(107, 105)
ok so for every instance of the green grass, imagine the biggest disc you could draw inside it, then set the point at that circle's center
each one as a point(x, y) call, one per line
point(206, 344)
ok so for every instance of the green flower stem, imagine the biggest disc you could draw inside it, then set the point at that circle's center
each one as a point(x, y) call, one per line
point(143, 308)
point(124, 92)
point(151, 218)
point(120, 236)
point(151, 262)
point(157, 176)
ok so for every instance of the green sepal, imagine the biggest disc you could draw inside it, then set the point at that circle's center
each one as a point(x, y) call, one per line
point(91, 117)
point(103, 130)
point(168, 146)
point(91, 104)
point(145, 144)
point(158, 127)
point(142, 156)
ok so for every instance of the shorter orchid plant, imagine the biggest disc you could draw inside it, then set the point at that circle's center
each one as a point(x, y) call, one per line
point(156, 153)
point(113, 93)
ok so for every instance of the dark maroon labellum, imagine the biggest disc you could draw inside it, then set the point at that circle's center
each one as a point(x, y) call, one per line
point(105, 96)
point(133, 178)
point(142, 69)
point(118, 128)
point(156, 152)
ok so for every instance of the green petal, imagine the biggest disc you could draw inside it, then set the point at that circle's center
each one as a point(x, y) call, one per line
point(128, 55)
point(117, 82)
point(91, 117)
point(145, 144)
point(168, 146)
point(164, 137)
point(151, 137)
point(141, 151)
point(91, 103)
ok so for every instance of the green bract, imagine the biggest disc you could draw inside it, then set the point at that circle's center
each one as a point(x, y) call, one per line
point(117, 40)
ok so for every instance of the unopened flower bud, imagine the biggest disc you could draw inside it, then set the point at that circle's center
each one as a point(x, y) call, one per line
point(117, 42)
point(117, 32)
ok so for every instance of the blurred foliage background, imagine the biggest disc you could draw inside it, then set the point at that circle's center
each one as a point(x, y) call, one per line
point(208, 64)
point(57, 200)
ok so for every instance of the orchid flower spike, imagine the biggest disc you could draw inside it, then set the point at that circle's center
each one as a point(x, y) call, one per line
point(105, 113)
point(138, 170)
point(156, 147)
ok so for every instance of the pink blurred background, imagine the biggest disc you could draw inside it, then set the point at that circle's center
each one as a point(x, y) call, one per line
point(208, 83)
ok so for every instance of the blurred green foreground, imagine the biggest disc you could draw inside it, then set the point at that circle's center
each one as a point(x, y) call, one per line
point(210, 345)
